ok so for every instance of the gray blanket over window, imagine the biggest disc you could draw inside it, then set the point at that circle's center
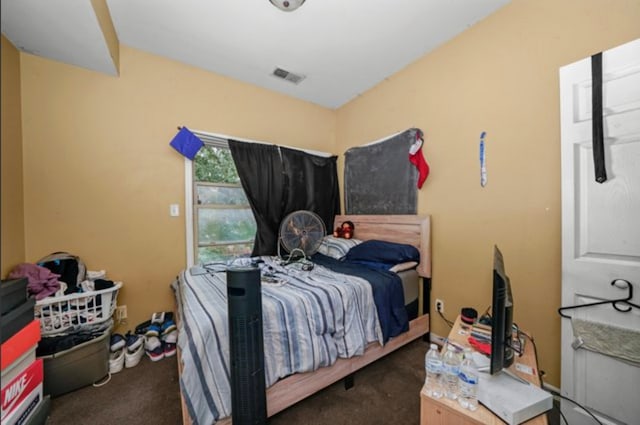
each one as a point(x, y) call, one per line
point(380, 179)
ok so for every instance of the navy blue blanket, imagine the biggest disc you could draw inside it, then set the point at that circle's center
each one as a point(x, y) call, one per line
point(387, 293)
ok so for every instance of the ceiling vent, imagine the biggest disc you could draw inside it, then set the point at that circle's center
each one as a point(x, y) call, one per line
point(288, 76)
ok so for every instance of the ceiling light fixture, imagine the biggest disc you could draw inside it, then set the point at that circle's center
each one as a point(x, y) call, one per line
point(287, 5)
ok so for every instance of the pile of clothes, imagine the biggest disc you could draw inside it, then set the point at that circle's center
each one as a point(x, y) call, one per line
point(69, 301)
point(42, 282)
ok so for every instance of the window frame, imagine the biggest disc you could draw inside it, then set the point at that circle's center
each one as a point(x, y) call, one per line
point(220, 140)
point(191, 211)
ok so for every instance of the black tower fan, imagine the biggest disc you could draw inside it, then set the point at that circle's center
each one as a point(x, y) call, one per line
point(248, 392)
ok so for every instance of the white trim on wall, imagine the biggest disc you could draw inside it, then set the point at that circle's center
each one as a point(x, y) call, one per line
point(217, 138)
point(188, 209)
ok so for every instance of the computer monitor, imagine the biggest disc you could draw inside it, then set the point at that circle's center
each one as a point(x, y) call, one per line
point(501, 316)
point(504, 393)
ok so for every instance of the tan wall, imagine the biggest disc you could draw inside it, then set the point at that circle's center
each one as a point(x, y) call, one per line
point(12, 213)
point(500, 76)
point(100, 174)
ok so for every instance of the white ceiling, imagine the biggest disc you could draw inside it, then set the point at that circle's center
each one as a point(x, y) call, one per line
point(342, 47)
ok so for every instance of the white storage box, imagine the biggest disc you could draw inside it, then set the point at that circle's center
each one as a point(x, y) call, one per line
point(66, 313)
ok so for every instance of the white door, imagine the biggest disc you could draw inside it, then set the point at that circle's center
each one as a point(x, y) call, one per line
point(601, 233)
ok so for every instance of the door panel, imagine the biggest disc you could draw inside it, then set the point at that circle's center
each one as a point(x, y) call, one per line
point(600, 231)
point(604, 378)
point(614, 203)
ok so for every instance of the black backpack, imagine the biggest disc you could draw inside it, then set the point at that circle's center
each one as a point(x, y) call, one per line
point(70, 267)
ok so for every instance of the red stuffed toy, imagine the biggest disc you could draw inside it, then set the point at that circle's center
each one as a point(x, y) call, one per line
point(345, 230)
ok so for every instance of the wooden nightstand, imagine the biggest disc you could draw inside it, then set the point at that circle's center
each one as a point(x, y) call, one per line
point(448, 412)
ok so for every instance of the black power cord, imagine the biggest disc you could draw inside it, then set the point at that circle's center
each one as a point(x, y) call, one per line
point(555, 393)
point(562, 416)
point(447, 321)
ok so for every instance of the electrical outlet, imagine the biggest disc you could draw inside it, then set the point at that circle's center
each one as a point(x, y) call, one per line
point(121, 314)
point(439, 306)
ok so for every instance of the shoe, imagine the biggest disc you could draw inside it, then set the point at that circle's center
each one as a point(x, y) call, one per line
point(116, 343)
point(141, 329)
point(171, 337)
point(169, 349)
point(157, 318)
point(169, 331)
point(133, 341)
point(151, 343)
point(116, 361)
point(168, 326)
point(153, 330)
point(132, 358)
point(157, 354)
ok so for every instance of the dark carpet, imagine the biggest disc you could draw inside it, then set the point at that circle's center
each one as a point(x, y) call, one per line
point(145, 394)
point(385, 392)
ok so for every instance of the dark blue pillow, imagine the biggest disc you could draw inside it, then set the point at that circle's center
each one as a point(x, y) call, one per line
point(383, 252)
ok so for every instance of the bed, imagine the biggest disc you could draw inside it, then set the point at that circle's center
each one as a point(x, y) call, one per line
point(368, 337)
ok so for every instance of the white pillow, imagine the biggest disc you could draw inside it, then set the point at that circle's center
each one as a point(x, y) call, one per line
point(403, 266)
point(336, 247)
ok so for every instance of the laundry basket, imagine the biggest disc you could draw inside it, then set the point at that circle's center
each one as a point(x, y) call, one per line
point(71, 312)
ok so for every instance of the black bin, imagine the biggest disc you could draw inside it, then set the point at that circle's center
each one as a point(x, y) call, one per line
point(13, 293)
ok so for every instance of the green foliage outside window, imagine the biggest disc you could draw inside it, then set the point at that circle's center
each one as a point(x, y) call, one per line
point(215, 165)
point(224, 217)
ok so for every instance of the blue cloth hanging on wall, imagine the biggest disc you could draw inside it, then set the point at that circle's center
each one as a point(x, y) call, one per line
point(187, 143)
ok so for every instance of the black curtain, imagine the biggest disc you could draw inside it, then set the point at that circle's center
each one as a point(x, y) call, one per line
point(312, 184)
point(279, 181)
point(262, 178)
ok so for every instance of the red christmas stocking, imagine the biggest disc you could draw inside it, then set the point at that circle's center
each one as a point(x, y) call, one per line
point(417, 158)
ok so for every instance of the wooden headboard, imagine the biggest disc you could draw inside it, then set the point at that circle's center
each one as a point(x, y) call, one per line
point(408, 229)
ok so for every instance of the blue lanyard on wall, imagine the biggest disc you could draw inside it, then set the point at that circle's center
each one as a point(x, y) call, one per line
point(483, 165)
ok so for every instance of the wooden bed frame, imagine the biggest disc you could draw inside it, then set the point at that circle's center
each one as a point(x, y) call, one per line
point(409, 229)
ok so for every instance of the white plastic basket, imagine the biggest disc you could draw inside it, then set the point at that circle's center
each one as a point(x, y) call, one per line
point(60, 314)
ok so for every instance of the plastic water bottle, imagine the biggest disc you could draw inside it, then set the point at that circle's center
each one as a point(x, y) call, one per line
point(468, 382)
point(433, 366)
point(451, 368)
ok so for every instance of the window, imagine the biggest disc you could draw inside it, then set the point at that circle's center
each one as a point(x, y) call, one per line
point(223, 224)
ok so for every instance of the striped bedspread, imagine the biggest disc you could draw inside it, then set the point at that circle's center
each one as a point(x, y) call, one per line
point(310, 318)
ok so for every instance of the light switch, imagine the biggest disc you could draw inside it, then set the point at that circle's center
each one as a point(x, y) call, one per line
point(174, 210)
